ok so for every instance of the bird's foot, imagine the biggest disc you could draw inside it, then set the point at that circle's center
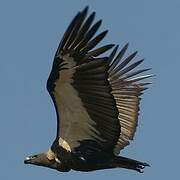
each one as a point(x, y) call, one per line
point(140, 167)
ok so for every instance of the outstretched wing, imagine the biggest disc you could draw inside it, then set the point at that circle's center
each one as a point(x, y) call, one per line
point(87, 116)
point(127, 87)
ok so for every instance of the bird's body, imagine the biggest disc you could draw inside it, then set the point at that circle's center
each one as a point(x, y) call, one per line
point(96, 100)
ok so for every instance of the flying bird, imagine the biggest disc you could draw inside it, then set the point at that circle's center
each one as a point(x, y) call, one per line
point(96, 99)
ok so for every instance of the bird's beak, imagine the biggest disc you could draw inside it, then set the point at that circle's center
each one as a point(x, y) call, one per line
point(27, 160)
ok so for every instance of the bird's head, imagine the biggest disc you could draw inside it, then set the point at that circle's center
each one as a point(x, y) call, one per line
point(43, 159)
point(39, 160)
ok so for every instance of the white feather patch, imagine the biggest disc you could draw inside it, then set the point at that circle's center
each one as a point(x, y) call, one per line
point(57, 160)
point(50, 155)
point(64, 144)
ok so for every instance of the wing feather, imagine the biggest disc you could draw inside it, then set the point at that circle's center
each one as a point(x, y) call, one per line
point(79, 87)
point(99, 51)
point(126, 90)
point(83, 30)
point(93, 43)
point(89, 35)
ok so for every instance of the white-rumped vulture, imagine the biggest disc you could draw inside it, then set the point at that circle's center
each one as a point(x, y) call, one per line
point(96, 99)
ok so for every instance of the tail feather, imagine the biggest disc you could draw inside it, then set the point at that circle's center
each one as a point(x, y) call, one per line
point(123, 162)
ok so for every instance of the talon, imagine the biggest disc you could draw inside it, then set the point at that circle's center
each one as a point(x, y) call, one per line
point(146, 164)
point(142, 167)
point(140, 170)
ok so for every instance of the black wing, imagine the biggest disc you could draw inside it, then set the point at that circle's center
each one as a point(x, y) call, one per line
point(87, 116)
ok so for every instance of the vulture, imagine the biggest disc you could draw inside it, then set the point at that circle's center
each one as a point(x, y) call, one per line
point(96, 99)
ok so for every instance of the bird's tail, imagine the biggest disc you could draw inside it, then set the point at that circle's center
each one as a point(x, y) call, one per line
point(123, 162)
point(114, 162)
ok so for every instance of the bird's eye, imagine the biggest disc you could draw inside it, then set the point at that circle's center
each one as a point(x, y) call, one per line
point(34, 156)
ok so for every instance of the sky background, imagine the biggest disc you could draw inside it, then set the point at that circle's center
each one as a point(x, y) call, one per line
point(29, 35)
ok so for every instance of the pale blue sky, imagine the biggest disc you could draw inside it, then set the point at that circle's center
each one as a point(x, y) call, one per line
point(29, 35)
